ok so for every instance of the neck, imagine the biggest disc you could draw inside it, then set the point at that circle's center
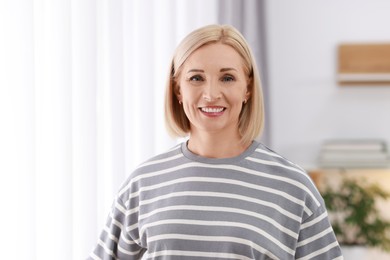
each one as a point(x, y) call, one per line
point(215, 145)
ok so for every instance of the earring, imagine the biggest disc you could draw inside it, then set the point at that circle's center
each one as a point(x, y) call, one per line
point(180, 102)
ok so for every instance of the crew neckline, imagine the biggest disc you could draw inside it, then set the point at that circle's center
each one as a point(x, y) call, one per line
point(194, 157)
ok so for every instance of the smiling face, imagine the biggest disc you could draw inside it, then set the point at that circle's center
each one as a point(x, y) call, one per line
point(212, 87)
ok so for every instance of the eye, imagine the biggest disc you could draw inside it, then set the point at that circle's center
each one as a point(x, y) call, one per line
point(228, 78)
point(196, 78)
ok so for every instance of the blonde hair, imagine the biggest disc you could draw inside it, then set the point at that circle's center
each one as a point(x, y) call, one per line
point(251, 120)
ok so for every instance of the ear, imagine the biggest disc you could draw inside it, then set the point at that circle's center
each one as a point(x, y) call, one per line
point(177, 91)
point(247, 94)
point(248, 88)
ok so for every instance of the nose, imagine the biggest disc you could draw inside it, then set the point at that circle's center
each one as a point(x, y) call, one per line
point(211, 92)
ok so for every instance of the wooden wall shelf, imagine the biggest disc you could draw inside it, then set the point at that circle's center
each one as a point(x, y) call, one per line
point(367, 64)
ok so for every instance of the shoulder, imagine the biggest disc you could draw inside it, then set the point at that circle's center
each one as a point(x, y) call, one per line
point(286, 175)
point(168, 159)
point(273, 163)
point(268, 156)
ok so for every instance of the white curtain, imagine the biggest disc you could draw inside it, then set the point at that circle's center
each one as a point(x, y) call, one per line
point(81, 104)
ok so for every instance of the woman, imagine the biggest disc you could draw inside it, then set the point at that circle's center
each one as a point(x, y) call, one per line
point(221, 194)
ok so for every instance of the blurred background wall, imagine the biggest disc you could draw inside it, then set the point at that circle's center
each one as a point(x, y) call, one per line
point(307, 105)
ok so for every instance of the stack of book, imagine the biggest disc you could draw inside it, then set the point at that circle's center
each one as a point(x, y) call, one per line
point(354, 154)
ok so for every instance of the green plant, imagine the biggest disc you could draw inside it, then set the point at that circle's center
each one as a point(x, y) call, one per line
point(354, 215)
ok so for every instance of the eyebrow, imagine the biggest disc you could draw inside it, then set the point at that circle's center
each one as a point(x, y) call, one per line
point(195, 70)
point(221, 70)
point(227, 69)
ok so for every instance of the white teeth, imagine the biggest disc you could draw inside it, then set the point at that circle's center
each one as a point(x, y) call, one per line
point(212, 109)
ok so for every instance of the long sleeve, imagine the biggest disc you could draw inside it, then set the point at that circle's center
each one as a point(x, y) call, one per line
point(115, 242)
point(316, 238)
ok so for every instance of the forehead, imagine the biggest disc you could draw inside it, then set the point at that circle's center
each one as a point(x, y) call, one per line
point(215, 55)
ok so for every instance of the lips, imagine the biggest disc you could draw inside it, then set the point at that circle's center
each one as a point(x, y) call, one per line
point(212, 110)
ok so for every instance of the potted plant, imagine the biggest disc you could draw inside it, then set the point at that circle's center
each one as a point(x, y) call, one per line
point(355, 218)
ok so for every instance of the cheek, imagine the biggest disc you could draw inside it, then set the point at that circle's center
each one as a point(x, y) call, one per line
point(189, 93)
point(238, 97)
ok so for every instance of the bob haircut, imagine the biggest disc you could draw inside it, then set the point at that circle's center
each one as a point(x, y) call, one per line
point(251, 119)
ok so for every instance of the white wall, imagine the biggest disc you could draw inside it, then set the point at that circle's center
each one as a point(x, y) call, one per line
point(307, 105)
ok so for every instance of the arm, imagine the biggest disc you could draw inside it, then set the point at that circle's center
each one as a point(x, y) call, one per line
point(317, 239)
point(115, 242)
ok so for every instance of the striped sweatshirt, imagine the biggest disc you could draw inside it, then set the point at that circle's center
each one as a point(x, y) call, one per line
point(179, 205)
